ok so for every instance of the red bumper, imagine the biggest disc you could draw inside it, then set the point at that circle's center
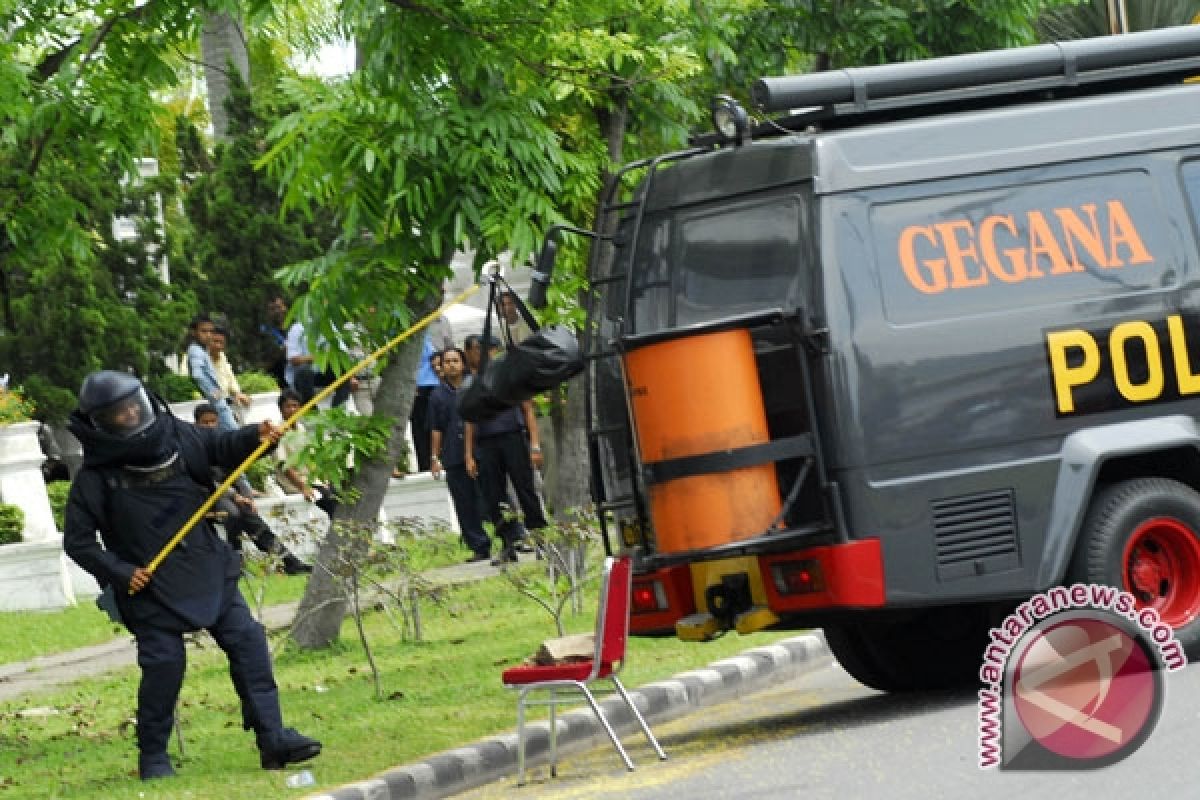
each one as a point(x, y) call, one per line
point(846, 575)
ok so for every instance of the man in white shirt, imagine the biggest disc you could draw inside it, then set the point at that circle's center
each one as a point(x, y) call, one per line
point(238, 400)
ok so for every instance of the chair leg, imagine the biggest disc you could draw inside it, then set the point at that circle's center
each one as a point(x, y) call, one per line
point(521, 737)
point(607, 728)
point(553, 736)
point(638, 716)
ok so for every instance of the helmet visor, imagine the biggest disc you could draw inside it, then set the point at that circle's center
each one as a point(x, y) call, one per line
point(126, 417)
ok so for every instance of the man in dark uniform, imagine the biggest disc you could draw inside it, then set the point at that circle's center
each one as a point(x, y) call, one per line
point(497, 451)
point(274, 331)
point(447, 453)
point(144, 474)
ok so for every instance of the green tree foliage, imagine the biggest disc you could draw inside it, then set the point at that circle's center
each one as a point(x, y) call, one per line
point(1090, 18)
point(78, 90)
point(238, 238)
point(73, 310)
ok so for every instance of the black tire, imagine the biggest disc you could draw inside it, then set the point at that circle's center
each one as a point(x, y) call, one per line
point(1164, 517)
point(922, 651)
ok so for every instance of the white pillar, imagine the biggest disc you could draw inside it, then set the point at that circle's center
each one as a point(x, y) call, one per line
point(21, 482)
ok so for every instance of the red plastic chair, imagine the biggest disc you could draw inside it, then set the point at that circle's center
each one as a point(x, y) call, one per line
point(612, 633)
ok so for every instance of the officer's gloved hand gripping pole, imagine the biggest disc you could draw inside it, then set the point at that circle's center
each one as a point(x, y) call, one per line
point(288, 423)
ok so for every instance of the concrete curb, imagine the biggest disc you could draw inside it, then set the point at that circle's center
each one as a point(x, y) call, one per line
point(463, 768)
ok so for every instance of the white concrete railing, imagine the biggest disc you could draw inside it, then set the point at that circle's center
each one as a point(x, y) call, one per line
point(21, 482)
point(299, 522)
point(266, 407)
point(39, 576)
point(36, 575)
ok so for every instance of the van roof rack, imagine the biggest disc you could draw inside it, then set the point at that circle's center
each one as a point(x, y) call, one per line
point(997, 77)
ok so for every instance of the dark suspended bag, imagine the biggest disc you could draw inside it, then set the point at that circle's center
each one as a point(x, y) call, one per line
point(540, 362)
point(476, 401)
point(543, 360)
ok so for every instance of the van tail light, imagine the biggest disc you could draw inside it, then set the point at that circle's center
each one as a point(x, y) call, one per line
point(648, 597)
point(798, 577)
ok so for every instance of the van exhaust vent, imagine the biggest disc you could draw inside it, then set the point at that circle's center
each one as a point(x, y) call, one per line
point(975, 534)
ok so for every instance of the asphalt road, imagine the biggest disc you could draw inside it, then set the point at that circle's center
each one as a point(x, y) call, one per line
point(826, 736)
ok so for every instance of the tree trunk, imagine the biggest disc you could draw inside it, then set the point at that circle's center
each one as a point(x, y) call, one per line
point(222, 43)
point(323, 607)
point(570, 443)
point(570, 428)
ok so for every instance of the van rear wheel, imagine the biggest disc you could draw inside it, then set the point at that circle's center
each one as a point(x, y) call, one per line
point(1143, 536)
point(934, 649)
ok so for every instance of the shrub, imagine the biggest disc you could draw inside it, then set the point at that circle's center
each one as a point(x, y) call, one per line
point(12, 524)
point(53, 403)
point(57, 491)
point(254, 382)
point(14, 407)
point(174, 388)
point(258, 472)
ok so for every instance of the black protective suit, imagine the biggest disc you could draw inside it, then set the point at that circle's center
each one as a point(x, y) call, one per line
point(136, 493)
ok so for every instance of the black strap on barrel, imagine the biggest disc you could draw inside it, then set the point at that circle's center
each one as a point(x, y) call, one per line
point(726, 460)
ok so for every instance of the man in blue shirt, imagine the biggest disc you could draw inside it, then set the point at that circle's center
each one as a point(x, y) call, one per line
point(204, 374)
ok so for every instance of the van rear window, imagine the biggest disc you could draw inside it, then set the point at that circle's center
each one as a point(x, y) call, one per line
point(1020, 246)
point(704, 265)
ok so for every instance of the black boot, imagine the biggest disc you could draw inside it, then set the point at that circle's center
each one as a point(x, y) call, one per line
point(294, 566)
point(154, 766)
point(507, 556)
point(287, 746)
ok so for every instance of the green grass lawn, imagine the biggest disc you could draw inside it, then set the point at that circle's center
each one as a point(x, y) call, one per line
point(440, 693)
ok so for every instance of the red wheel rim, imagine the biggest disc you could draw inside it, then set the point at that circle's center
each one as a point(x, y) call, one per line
point(1161, 569)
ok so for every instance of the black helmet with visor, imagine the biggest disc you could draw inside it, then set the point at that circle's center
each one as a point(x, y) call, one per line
point(116, 403)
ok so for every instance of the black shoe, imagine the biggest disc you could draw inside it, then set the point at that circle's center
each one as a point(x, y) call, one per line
point(286, 747)
point(294, 566)
point(153, 767)
point(507, 556)
point(478, 557)
point(523, 547)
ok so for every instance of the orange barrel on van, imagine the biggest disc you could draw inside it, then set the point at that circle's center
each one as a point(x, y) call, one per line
point(691, 397)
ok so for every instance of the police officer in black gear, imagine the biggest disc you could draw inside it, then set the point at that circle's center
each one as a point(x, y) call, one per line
point(144, 474)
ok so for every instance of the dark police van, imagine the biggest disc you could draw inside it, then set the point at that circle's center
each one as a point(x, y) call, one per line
point(924, 344)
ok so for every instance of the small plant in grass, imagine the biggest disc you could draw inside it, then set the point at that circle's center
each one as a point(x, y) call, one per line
point(12, 523)
point(559, 577)
point(376, 571)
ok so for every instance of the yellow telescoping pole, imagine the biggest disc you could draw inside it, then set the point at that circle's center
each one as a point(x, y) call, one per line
point(289, 422)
